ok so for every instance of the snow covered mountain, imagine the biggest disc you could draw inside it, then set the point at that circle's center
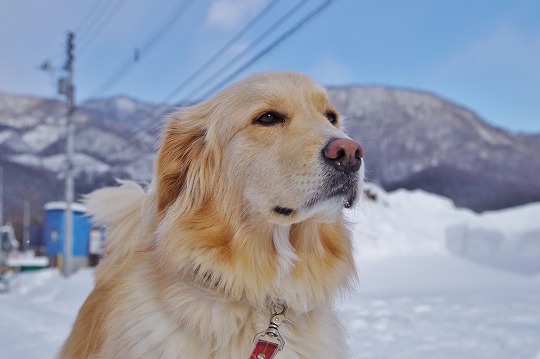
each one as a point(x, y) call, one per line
point(32, 134)
point(126, 111)
point(412, 140)
point(418, 140)
point(32, 146)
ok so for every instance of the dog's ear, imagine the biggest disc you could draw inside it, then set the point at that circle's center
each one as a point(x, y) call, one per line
point(181, 164)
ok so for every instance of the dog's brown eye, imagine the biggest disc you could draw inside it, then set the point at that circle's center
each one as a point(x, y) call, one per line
point(332, 117)
point(269, 118)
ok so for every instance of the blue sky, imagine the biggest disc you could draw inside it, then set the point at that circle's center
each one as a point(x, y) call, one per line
point(483, 54)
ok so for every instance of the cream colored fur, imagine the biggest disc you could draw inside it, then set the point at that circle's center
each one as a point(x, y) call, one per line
point(195, 263)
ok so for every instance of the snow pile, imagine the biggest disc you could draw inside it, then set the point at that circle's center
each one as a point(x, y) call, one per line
point(404, 223)
point(518, 252)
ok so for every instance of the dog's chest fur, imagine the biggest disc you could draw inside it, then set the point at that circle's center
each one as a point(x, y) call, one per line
point(198, 324)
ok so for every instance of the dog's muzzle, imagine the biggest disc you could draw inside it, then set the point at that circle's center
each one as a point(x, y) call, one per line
point(343, 161)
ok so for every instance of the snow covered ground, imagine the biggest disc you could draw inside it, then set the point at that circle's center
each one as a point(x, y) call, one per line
point(445, 308)
point(435, 282)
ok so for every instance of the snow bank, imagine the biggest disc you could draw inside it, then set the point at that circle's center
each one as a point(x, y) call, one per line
point(519, 251)
point(403, 223)
point(416, 223)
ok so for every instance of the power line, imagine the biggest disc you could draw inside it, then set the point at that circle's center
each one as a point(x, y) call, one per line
point(93, 24)
point(220, 52)
point(92, 17)
point(89, 18)
point(99, 27)
point(289, 32)
point(284, 36)
point(241, 54)
point(265, 51)
point(270, 47)
point(147, 45)
point(160, 107)
point(175, 16)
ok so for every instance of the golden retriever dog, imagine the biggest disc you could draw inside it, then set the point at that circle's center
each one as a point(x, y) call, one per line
point(238, 247)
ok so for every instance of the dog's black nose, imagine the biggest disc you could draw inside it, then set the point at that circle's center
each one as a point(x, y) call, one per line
point(344, 154)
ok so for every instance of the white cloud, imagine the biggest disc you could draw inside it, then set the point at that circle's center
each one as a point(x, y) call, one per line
point(329, 71)
point(229, 14)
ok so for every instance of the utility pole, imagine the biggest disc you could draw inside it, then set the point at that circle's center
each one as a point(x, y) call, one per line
point(26, 225)
point(1, 196)
point(67, 88)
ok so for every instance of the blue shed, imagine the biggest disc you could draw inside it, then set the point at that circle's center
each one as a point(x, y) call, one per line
point(55, 231)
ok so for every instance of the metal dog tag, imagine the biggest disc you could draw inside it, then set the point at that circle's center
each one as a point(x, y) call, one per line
point(269, 342)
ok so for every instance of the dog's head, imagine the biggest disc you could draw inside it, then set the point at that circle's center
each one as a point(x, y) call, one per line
point(249, 191)
point(269, 147)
